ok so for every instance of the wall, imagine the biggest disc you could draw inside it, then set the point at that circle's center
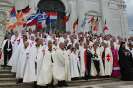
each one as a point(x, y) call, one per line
point(107, 10)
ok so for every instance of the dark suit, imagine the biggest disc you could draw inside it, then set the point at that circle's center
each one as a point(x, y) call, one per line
point(7, 51)
point(126, 64)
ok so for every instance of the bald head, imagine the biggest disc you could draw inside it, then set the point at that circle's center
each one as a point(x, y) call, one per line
point(62, 45)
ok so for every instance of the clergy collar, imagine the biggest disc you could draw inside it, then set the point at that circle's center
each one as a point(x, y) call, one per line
point(38, 46)
point(50, 50)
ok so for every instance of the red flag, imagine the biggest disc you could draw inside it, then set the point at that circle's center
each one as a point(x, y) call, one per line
point(52, 15)
point(26, 10)
point(39, 26)
point(13, 12)
point(90, 18)
point(96, 26)
point(74, 25)
point(66, 18)
point(31, 23)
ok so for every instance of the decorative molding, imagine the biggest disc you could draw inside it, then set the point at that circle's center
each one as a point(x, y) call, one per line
point(117, 5)
point(93, 13)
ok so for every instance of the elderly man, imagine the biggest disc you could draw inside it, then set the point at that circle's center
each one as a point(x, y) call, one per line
point(61, 63)
point(45, 77)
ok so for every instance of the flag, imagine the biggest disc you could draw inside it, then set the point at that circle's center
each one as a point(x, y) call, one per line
point(95, 28)
point(74, 25)
point(90, 18)
point(32, 20)
point(35, 18)
point(41, 17)
point(20, 19)
point(39, 25)
point(66, 18)
point(52, 15)
point(13, 15)
point(26, 10)
point(105, 29)
point(84, 22)
point(49, 21)
point(13, 12)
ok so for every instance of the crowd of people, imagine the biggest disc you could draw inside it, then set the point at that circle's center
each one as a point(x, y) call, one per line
point(55, 58)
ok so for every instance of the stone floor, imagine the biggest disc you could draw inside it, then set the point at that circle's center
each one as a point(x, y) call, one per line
point(7, 80)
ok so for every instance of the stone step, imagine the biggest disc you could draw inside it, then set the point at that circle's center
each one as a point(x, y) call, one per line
point(8, 84)
point(5, 71)
point(17, 86)
point(7, 75)
point(7, 80)
point(5, 68)
point(92, 81)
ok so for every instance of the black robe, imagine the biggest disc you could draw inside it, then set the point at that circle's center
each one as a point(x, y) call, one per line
point(88, 64)
point(126, 64)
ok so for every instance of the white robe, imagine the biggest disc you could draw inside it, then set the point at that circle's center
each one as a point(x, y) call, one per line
point(37, 54)
point(15, 55)
point(82, 62)
point(74, 64)
point(46, 72)
point(22, 60)
point(108, 64)
point(30, 71)
point(93, 69)
point(61, 65)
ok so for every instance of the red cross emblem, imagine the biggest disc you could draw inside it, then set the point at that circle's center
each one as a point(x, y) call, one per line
point(108, 57)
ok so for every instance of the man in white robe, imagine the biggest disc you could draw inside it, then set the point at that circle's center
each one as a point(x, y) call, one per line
point(74, 64)
point(97, 57)
point(35, 62)
point(82, 62)
point(45, 77)
point(61, 65)
point(22, 59)
point(16, 40)
point(36, 55)
point(108, 61)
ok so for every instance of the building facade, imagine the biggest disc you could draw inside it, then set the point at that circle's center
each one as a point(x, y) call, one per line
point(109, 12)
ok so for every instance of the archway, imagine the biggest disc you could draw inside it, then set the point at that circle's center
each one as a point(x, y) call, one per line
point(54, 6)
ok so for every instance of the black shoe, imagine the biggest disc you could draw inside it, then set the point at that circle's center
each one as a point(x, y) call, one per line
point(60, 84)
point(64, 83)
point(19, 81)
